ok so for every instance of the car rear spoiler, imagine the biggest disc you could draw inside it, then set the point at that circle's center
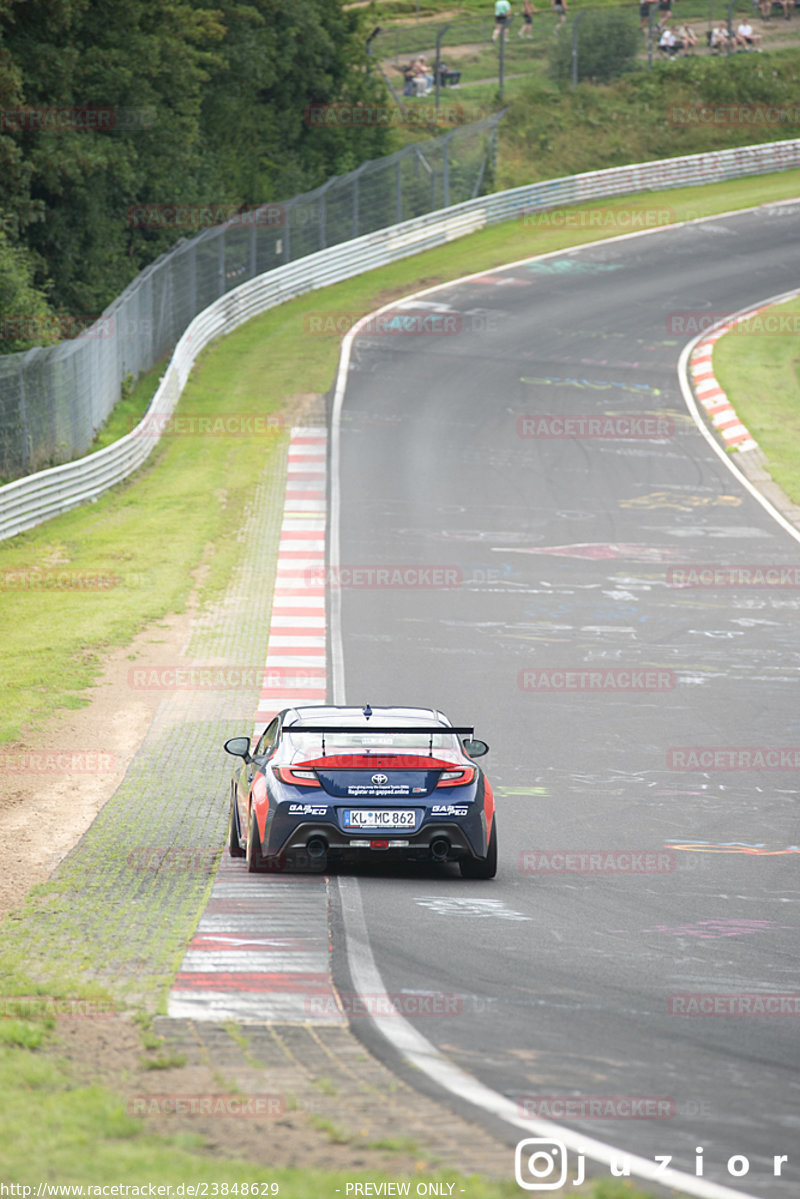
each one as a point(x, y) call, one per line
point(376, 728)
point(324, 729)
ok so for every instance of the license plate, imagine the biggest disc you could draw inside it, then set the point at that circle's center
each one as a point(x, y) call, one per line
point(379, 819)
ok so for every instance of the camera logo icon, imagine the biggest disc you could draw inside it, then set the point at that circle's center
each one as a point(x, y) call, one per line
point(540, 1164)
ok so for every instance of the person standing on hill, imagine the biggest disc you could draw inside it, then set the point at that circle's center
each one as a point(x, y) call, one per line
point(502, 8)
point(527, 17)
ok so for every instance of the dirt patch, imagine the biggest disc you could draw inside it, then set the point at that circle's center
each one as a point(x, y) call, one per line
point(331, 1105)
point(45, 807)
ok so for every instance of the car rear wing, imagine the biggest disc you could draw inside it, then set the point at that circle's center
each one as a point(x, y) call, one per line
point(391, 729)
point(376, 728)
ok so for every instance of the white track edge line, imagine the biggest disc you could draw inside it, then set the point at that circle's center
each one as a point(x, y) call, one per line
point(415, 1048)
point(712, 439)
point(420, 1053)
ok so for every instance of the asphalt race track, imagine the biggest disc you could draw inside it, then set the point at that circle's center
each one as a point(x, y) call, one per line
point(546, 616)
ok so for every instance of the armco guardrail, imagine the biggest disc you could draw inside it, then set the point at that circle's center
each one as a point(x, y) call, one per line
point(26, 502)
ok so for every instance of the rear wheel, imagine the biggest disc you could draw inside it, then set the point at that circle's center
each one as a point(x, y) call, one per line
point(482, 867)
point(255, 858)
point(234, 845)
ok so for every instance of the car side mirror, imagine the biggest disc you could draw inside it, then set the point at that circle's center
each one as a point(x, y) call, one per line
point(474, 748)
point(239, 747)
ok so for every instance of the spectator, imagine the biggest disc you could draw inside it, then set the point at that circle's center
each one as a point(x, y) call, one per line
point(669, 43)
point(501, 10)
point(787, 6)
point(560, 9)
point(688, 37)
point(766, 8)
point(718, 40)
point(423, 80)
point(527, 18)
point(408, 80)
point(645, 8)
point(665, 8)
point(747, 38)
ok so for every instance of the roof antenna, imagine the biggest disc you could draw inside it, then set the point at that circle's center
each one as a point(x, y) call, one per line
point(367, 711)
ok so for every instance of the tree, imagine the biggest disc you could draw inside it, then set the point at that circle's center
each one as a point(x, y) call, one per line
point(608, 42)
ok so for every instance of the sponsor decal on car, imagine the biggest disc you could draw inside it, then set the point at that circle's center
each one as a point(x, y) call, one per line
point(448, 809)
point(307, 809)
point(375, 790)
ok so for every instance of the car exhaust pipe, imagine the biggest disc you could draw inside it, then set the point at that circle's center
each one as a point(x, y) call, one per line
point(440, 848)
point(317, 848)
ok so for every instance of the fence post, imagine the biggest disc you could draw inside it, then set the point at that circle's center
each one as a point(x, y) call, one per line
point(650, 33)
point(436, 68)
point(575, 47)
point(731, 7)
point(446, 170)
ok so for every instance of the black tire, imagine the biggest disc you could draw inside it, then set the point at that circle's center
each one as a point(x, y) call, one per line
point(482, 867)
point(255, 858)
point(234, 844)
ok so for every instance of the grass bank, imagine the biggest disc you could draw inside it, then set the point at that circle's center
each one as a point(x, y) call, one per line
point(758, 366)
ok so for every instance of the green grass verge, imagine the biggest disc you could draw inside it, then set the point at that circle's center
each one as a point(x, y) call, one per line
point(55, 1129)
point(760, 372)
point(143, 542)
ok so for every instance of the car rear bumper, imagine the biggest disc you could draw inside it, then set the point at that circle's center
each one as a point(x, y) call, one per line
point(438, 840)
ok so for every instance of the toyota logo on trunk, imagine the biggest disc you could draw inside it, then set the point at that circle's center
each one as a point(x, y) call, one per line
point(380, 779)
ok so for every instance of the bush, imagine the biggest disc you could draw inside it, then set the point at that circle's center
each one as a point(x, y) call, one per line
point(607, 46)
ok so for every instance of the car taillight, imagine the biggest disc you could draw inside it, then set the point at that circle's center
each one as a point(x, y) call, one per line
point(289, 774)
point(456, 778)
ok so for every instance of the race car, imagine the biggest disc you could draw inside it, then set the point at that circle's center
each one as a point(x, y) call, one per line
point(330, 783)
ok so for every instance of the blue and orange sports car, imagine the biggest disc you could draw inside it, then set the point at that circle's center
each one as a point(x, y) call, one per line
point(338, 783)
